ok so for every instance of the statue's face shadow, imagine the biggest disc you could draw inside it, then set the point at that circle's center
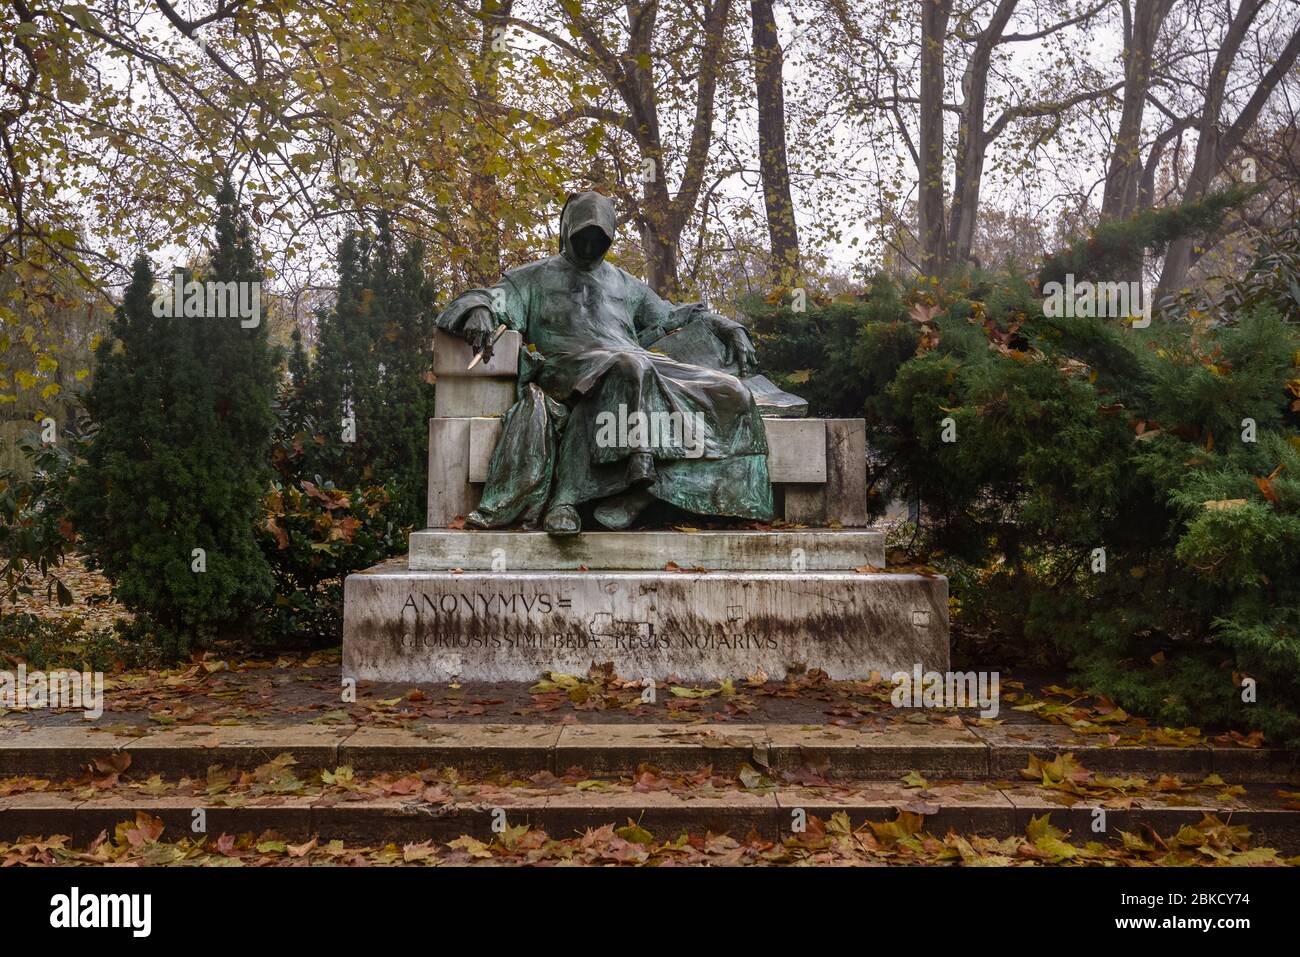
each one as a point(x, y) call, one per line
point(589, 244)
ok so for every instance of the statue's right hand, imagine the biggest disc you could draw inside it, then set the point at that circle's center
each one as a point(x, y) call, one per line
point(478, 331)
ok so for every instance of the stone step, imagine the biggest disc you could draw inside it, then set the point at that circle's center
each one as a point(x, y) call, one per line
point(936, 751)
point(773, 813)
point(440, 549)
point(407, 625)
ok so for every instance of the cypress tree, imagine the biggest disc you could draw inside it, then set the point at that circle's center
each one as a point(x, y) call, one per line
point(371, 368)
point(294, 413)
point(338, 377)
point(404, 301)
point(298, 363)
point(171, 487)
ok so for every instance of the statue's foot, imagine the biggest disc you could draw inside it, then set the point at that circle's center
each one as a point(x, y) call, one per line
point(620, 511)
point(640, 468)
point(562, 520)
point(475, 519)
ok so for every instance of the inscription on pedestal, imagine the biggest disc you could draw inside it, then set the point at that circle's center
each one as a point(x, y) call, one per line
point(412, 625)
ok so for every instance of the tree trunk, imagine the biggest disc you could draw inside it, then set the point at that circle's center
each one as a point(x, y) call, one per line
point(661, 216)
point(929, 226)
point(660, 260)
point(1215, 143)
point(1142, 30)
point(972, 139)
point(783, 232)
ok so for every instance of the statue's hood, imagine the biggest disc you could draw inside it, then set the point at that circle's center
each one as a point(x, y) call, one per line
point(582, 211)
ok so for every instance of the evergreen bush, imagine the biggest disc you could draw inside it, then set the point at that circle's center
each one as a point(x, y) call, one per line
point(1127, 498)
point(168, 495)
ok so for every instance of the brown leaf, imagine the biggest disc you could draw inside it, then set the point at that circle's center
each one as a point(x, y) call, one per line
point(1223, 504)
point(281, 536)
point(924, 313)
point(301, 850)
point(146, 830)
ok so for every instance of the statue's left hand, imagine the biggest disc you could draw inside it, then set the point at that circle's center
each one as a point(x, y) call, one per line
point(478, 331)
point(740, 350)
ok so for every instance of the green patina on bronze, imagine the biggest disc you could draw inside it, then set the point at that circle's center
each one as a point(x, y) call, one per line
point(599, 340)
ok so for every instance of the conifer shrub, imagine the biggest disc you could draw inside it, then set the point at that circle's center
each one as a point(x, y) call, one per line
point(367, 394)
point(1125, 500)
point(350, 450)
point(168, 496)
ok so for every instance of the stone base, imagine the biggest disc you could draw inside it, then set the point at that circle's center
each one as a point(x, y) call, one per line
point(442, 549)
point(432, 626)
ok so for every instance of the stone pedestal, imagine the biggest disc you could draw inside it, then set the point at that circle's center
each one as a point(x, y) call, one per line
point(507, 606)
point(409, 625)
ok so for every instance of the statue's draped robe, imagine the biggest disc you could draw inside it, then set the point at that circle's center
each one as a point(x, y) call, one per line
point(583, 331)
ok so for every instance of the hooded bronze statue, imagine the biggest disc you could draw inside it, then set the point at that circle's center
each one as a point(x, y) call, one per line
point(605, 414)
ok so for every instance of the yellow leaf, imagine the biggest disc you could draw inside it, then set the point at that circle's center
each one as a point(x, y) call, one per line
point(635, 834)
